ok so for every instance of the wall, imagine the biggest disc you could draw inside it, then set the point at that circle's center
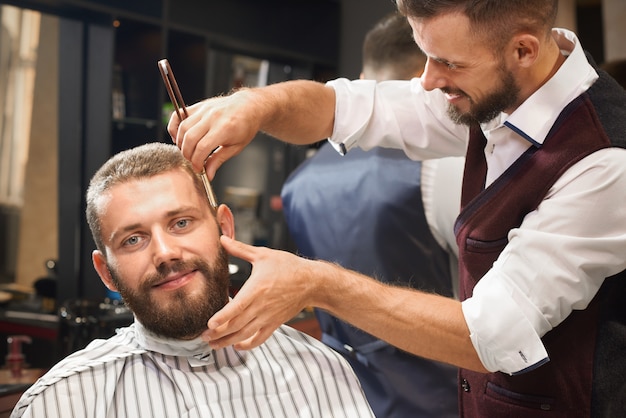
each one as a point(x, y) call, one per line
point(614, 17)
point(357, 17)
point(567, 15)
point(38, 226)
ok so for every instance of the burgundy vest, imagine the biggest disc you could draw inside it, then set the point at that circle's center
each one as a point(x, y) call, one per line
point(587, 367)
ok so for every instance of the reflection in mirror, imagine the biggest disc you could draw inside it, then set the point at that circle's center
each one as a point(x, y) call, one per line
point(28, 144)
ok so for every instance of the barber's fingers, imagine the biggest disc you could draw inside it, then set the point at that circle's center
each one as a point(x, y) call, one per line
point(226, 124)
point(241, 330)
point(198, 136)
point(236, 321)
point(177, 128)
point(218, 157)
point(244, 322)
point(240, 339)
point(239, 249)
point(257, 339)
point(272, 295)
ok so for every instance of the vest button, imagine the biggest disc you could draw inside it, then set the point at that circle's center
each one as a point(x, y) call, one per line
point(465, 385)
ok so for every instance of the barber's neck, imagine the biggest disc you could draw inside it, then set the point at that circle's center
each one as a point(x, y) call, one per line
point(533, 72)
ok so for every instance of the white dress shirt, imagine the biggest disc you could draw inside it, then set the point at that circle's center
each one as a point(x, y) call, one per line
point(441, 180)
point(581, 222)
point(135, 374)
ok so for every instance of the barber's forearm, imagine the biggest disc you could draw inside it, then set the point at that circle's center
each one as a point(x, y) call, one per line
point(423, 324)
point(299, 111)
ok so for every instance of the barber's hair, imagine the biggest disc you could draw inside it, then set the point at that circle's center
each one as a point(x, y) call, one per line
point(389, 46)
point(495, 20)
point(140, 162)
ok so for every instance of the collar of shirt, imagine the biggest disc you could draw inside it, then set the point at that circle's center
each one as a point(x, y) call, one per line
point(508, 136)
point(197, 351)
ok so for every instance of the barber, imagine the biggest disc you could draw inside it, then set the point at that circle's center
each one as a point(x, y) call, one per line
point(542, 230)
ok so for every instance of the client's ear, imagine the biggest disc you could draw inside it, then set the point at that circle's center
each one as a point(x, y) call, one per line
point(99, 263)
point(226, 221)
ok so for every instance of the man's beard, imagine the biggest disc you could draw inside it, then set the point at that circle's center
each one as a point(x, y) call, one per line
point(504, 97)
point(184, 317)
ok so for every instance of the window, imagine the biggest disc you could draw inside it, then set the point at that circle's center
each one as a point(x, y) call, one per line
point(19, 41)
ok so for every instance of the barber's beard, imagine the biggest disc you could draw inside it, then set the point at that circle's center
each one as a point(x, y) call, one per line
point(184, 316)
point(505, 96)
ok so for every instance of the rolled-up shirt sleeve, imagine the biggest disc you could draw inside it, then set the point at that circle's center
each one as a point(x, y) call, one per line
point(501, 331)
point(554, 263)
point(395, 114)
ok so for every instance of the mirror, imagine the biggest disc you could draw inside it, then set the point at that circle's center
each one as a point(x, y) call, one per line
point(28, 145)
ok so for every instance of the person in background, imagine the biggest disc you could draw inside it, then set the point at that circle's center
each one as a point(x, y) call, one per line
point(365, 211)
point(540, 329)
point(157, 241)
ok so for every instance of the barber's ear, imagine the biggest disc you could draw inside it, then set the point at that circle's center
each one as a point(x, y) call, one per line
point(226, 221)
point(525, 49)
point(99, 263)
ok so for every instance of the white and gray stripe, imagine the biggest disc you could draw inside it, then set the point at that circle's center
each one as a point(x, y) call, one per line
point(134, 374)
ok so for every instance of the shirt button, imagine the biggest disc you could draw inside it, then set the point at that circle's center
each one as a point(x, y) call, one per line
point(465, 385)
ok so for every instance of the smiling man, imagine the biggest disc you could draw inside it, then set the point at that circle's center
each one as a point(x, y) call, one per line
point(158, 244)
point(541, 326)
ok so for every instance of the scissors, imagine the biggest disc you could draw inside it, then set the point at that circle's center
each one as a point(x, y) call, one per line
point(181, 111)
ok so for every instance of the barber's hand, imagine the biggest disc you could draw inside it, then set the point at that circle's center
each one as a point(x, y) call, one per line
point(275, 292)
point(229, 121)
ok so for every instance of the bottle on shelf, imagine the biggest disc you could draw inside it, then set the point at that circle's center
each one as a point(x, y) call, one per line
point(118, 100)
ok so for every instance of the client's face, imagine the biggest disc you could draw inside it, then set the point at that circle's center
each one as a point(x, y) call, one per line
point(163, 254)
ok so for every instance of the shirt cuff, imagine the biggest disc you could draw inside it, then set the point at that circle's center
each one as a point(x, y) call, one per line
point(502, 335)
point(353, 104)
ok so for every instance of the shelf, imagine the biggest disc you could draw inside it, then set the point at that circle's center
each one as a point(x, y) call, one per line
point(146, 123)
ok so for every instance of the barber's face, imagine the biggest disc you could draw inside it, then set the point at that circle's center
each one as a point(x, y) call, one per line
point(163, 253)
point(476, 81)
